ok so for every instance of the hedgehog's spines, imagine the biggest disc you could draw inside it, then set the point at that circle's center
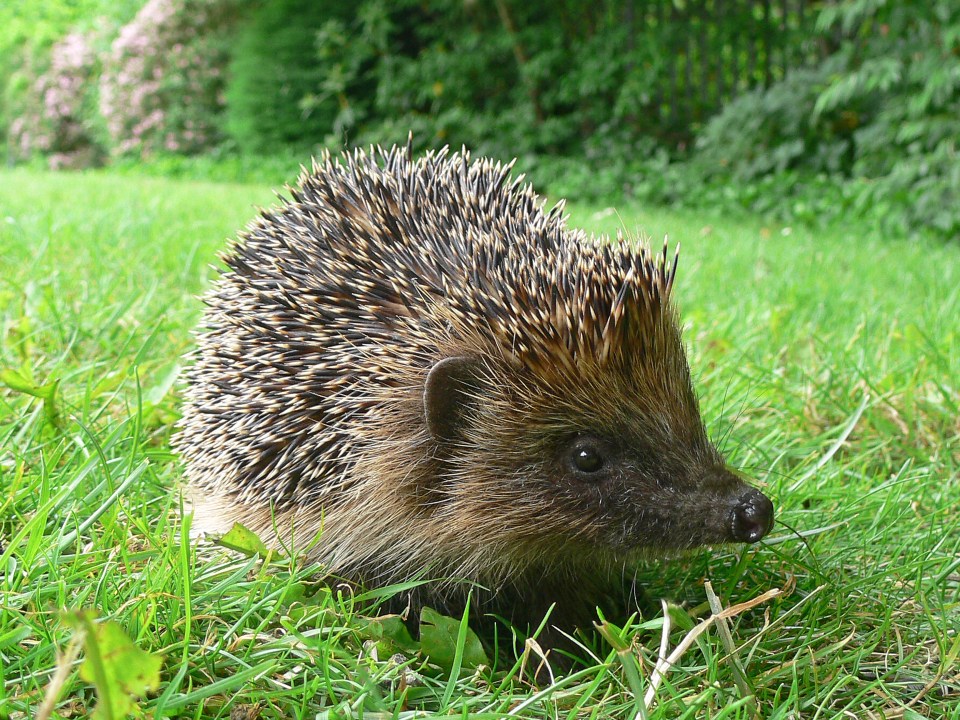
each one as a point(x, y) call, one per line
point(340, 300)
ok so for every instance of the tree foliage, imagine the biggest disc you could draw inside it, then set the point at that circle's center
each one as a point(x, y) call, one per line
point(54, 117)
point(849, 105)
point(505, 77)
point(162, 84)
point(276, 73)
point(882, 109)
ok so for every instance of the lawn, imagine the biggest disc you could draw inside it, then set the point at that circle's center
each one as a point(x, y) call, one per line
point(829, 370)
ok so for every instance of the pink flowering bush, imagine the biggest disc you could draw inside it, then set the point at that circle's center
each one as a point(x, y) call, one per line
point(162, 85)
point(54, 119)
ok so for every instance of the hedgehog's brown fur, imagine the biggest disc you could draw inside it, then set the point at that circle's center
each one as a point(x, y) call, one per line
point(313, 405)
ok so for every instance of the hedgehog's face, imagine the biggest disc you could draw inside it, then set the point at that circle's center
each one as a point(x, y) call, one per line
point(626, 494)
point(624, 479)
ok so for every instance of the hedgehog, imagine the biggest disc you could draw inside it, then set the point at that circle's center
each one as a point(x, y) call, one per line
point(412, 370)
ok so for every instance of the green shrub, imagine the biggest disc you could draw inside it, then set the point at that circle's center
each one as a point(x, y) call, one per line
point(162, 85)
point(880, 115)
point(903, 61)
point(277, 94)
point(56, 106)
point(771, 130)
point(29, 35)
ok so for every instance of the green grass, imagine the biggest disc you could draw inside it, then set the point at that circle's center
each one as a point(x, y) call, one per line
point(829, 367)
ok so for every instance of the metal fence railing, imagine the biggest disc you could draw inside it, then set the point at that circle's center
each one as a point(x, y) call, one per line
point(713, 50)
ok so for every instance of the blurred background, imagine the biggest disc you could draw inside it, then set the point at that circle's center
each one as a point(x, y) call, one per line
point(797, 110)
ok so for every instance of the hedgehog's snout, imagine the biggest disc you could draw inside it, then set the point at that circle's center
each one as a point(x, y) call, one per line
point(752, 517)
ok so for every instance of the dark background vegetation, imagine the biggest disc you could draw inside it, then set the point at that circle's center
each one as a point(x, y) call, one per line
point(803, 111)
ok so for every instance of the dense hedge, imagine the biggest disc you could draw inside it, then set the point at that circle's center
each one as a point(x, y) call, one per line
point(878, 118)
point(162, 84)
point(600, 100)
point(57, 105)
point(275, 96)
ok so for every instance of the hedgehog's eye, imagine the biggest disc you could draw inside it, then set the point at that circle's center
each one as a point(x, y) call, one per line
point(587, 457)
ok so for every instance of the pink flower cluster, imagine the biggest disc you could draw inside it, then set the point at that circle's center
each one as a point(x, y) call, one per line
point(162, 85)
point(53, 120)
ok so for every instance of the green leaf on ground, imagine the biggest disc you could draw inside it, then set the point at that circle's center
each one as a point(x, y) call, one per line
point(390, 634)
point(243, 540)
point(439, 639)
point(119, 670)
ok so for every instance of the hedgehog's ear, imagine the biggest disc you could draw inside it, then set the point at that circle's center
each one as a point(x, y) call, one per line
point(449, 391)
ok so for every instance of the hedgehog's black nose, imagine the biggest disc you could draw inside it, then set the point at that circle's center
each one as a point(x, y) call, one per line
point(752, 517)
